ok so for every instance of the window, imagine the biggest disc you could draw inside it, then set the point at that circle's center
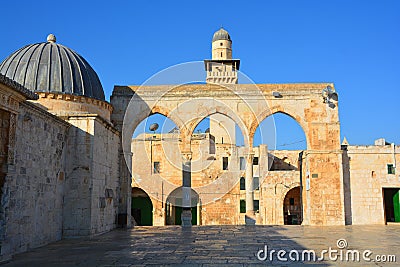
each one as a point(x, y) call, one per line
point(221, 54)
point(291, 201)
point(390, 168)
point(256, 183)
point(242, 206)
point(242, 163)
point(156, 167)
point(224, 163)
point(255, 161)
point(221, 44)
point(242, 183)
point(256, 204)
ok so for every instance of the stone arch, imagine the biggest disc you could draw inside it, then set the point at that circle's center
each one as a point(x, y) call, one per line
point(223, 111)
point(167, 113)
point(174, 204)
point(137, 111)
point(128, 130)
point(292, 206)
point(288, 188)
point(278, 109)
point(175, 120)
point(140, 113)
point(141, 207)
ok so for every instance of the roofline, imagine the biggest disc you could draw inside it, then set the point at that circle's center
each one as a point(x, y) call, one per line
point(18, 87)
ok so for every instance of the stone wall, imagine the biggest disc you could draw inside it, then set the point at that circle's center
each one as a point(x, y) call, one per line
point(272, 194)
point(34, 186)
point(105, 177)
point(207, 167)
point(368, 176)
point(92, 177)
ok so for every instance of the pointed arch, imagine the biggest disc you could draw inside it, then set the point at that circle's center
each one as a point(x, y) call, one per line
point(274, 110)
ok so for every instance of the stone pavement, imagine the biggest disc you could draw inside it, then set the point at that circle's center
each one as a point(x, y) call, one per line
point(215, 246)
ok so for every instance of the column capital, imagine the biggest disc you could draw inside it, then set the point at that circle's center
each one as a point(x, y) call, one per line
point(250, 154)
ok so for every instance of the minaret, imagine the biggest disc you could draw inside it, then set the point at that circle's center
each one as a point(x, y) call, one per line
point(222, 69)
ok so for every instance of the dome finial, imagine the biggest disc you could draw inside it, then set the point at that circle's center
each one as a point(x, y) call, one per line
point(51, 38)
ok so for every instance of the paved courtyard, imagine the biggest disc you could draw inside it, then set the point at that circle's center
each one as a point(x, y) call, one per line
point(220, 245)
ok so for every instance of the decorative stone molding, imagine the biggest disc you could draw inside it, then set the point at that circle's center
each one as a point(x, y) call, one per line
point(64, 105)
point(76, 98)
point(8, 102)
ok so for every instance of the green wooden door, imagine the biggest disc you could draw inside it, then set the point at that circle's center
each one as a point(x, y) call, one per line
point(178, 213)
point(143, 206)
point(396, 206)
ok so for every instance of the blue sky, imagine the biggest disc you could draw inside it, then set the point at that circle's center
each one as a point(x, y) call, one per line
point(355, 44)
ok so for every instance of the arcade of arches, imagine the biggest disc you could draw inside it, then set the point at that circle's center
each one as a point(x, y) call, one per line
point(214, 153)
point(86, 175)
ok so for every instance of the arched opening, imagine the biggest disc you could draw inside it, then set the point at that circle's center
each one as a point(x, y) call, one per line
point(223, 129)
point(292, 207)
point(165, 125)
point(213, 141)
point(142, 207)
point(155, 151)
point(278, 144)
point(175, 205)
point(284, 139)
point(280, 132)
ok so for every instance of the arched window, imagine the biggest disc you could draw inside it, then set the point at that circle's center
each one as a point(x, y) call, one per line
point(242, 183)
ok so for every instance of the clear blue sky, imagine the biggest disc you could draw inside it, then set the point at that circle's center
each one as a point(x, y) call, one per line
point(355, 44)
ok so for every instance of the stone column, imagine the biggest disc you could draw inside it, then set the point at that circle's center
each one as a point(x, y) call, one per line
point(125, 194)
point(249, 189)
point(186, 216)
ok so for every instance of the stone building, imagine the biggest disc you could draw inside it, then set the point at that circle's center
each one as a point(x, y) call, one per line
point(59, 166)
point(69, 166)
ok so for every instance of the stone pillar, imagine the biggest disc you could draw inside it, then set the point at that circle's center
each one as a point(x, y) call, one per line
point(250, 218)
point(125, 194)
point(186, 216)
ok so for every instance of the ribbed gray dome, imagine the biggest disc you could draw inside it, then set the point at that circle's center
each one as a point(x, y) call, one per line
point(51, 67)
point(221, 34)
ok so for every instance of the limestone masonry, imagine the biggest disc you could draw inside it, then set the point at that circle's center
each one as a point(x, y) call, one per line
point(70, 167)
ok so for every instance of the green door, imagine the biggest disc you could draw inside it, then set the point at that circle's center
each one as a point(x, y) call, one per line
point(142, 210)
point(178, 213)
point(396, 206)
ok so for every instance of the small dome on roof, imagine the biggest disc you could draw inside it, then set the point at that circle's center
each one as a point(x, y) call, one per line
point(52, 67)
point(221, 34)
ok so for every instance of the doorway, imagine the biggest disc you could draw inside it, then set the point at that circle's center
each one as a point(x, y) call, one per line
point(142, 207)
point(173, 207)
point(391, 204)
point(292, 207)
